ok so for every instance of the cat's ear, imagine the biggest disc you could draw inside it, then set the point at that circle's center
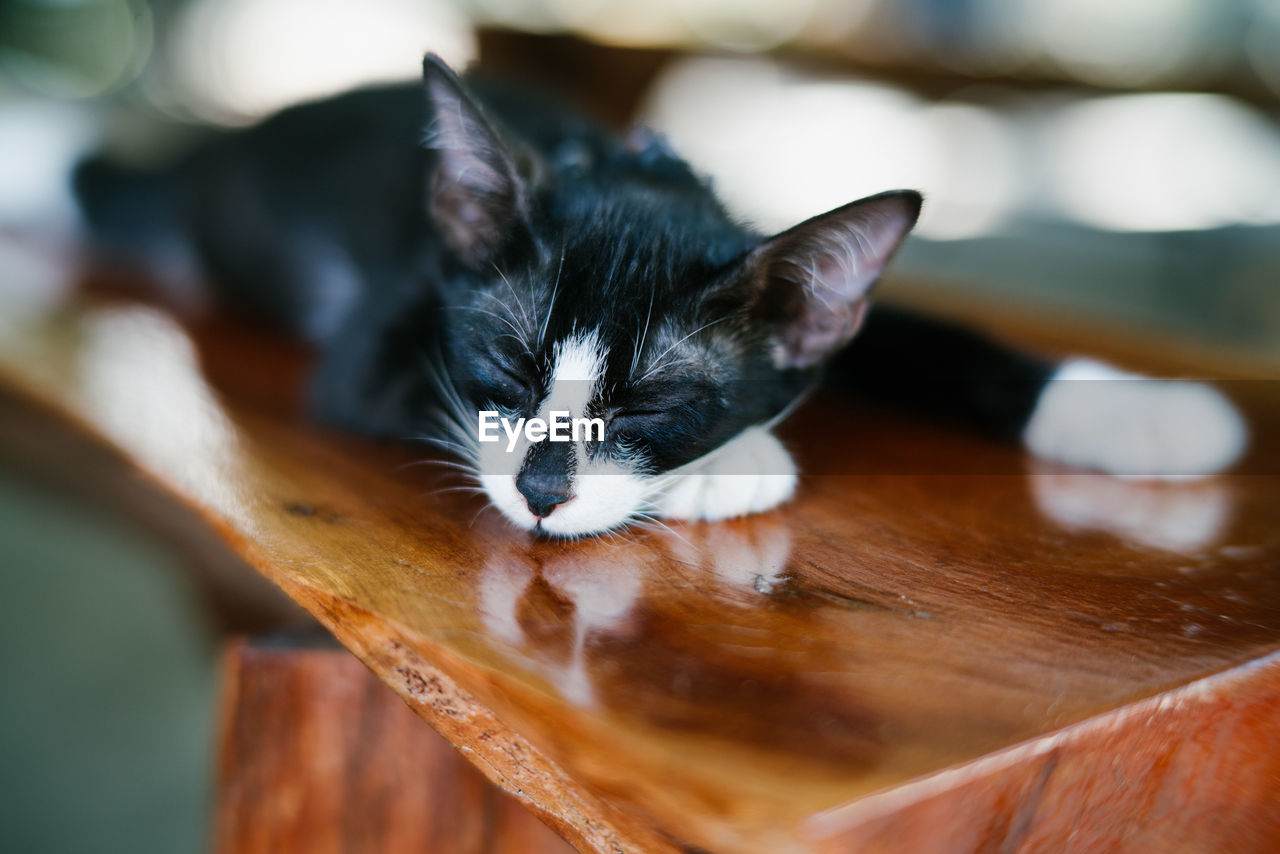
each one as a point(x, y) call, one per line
point(811, 283)
point(476, 193)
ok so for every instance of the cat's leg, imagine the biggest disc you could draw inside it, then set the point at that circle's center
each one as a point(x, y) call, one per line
point(1095, 416)
point(1079, 412)
point(749, 474)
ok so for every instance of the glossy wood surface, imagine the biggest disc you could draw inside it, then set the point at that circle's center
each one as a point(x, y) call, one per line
point(316, 756)
point(780, 683)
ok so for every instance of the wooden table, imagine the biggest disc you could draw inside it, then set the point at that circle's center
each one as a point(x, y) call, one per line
point(942, 648)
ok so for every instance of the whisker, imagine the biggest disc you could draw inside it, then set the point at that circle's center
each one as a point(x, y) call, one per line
point(645, 519)
point(470, 490)
point(658, 362)
point(524, 313)
point(449, 464)
point(542, 336)
point(477, 515)
point(516, 332)
point(644, 336)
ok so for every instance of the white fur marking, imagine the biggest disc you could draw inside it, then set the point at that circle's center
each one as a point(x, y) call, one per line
point(1173, 517)
point(749, 474)
point(1095, 416)
point(606, 493)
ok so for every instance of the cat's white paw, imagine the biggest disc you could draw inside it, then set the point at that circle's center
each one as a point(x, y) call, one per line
point(1095, 416)
point(749, 474)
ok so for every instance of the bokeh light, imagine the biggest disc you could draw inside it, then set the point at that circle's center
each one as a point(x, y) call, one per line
point(37, 142)
point(235, 60)
point(782, 147)
point(75, 48)
point(1118, 42)
point(1164, 162)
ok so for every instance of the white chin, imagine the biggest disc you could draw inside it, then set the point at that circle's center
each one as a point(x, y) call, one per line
point(601, 503)
point(749, 474)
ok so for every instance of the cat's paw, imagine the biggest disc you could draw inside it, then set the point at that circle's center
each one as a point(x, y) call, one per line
point(1095, 416)
point(749, 474)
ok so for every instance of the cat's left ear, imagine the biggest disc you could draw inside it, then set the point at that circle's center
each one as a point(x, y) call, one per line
point(476, 194)
point(811, 283)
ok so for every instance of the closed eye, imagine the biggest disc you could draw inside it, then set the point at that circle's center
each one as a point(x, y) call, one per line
point(637, 422)
point(512, 375)
point(505, 388)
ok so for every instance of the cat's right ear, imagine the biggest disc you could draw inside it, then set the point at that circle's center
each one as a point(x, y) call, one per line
point(812, 283)
point(475, 194)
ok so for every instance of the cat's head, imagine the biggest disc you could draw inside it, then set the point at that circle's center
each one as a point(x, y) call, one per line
point(603, 280)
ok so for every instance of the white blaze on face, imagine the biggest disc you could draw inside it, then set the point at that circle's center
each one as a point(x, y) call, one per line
point(578, 362)
point(605, 493)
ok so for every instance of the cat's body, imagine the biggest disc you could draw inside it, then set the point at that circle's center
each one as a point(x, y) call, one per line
point(482, 249)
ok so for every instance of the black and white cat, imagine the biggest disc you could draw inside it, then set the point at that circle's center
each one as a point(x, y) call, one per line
point(460, 248)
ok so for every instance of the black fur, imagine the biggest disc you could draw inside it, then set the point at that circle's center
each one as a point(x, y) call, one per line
point(943, 371)
point(452, 237)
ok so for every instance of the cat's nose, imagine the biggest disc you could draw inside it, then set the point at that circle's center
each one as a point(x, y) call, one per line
point(543, 494)
point(544, 478)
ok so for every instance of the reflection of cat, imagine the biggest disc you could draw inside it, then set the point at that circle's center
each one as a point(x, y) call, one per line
point(549, 611)
point(523, 261)
point(1181, 518)
point(550, 608)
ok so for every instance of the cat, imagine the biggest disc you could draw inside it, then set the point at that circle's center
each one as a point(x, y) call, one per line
point(463, 246)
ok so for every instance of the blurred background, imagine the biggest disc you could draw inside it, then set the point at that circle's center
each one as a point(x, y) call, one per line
point(1114, 161)
point(1120, 160)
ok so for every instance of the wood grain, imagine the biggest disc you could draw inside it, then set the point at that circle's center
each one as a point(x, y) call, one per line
point(933, 617)
point(1194, 769)
point(317, 756)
